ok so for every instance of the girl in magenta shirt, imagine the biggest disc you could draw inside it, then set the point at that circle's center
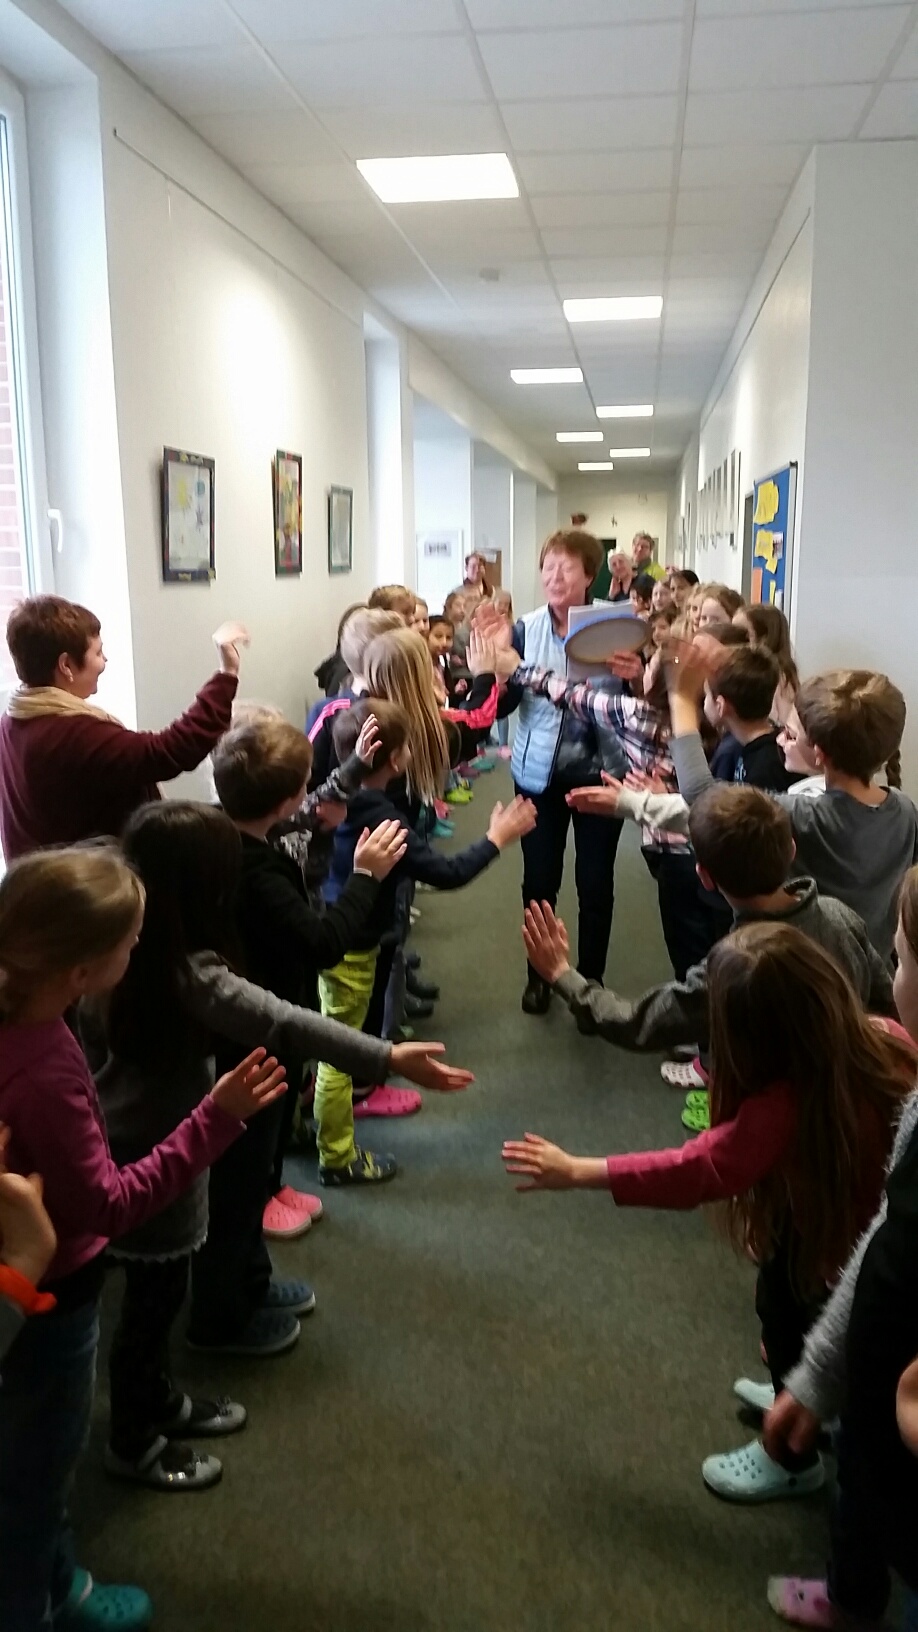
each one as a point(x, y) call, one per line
point(69, 920)
point(805, 1094)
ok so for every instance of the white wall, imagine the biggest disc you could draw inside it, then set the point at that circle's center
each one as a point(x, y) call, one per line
point(617, 507)
point(442, 504)
point(492, 510)
point(758, 404)
point(857, 565)
point(526, 542)
point(386, 473)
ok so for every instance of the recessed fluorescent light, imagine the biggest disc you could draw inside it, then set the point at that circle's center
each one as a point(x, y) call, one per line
point(596, 464)
point(614, 309)
point(547, 376)
point(629, 453)
point(440, 180)
point(578, 436)
point(626, 410)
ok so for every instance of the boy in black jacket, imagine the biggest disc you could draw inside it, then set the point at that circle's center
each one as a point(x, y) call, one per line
point(260, 773)
point(345, 991)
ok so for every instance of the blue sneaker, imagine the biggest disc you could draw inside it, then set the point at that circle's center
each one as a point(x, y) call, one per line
point(293, 1296)
point(268, 1332)
point(442, 830)
point(89, 1607)
point(366, 1168)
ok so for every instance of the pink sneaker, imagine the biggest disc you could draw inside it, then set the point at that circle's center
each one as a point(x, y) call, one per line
point(806, 1603)
point(441, 809)
point(505, 753)
point(388, 1102)
point(300, 1201)
point(280, 1223)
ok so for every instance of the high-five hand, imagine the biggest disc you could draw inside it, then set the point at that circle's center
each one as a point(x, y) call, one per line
point(228, 639)
point(367, 745)
point(511, 822)
point(421, 1063)
point(544, 1166)
point(546, 941)
point(378, 852)
point(252, 1086)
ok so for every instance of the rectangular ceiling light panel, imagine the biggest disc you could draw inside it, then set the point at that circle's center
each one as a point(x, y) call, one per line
point(626, 410)
point(547, 376)
point(440, 180)
point(596, 464)
point(613, 309)
point(629, 453)
point(578, 436)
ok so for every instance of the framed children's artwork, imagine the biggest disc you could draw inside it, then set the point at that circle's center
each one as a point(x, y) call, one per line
point(340, 529)
point(188, 517)
point(287, 478)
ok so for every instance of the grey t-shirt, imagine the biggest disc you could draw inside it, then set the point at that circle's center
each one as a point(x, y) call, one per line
point(857, 853)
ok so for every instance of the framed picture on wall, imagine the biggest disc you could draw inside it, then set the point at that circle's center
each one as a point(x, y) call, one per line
point(287, 483)
point(187, 517)
point(340, 529)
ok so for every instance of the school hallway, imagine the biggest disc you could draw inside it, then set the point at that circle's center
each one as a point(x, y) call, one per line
point(496, 1418)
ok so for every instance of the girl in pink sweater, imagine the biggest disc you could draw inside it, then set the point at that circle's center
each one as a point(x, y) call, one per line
point(69, 920)
point(805, 1094)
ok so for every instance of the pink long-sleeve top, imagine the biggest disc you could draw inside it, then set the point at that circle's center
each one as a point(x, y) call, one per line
point(48, 1101)
point(730, 1158)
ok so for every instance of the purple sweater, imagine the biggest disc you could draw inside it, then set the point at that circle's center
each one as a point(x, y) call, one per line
point(48, 1101)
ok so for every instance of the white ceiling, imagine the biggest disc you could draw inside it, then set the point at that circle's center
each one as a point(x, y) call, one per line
point(655, 142)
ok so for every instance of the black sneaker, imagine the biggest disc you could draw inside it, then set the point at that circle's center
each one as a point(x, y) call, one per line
point(268, 1332)
point(205, 1419)
point(417, 1008)
point(366, 1168)
point(537, 996)
point(427, 990)
point(172, 1467)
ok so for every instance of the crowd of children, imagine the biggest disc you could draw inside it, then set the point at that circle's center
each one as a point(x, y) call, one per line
point(186, 988)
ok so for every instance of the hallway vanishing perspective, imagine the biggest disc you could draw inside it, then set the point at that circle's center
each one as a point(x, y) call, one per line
point(496, 1418)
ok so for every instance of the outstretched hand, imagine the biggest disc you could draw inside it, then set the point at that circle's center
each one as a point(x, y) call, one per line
point(626, 666)
point(27, 1239)
point(368, 742)
point(378, 852)
point(546, 941)
point(597, 801)
point(251, 1087)
point(543, 1166)
point(422, 1063)
point(686, 668)
point(492, 625)
point(482, 653)
point(511, 822)
point(228, 639)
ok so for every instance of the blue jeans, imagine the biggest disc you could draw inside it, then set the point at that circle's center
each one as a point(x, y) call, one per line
point(46, 1395)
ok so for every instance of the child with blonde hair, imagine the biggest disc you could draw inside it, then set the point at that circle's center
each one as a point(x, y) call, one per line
point(69, 921)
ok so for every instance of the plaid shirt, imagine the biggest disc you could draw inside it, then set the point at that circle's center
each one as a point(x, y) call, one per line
point(640, 729)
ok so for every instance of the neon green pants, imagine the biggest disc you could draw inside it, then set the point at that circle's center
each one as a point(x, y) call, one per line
point(344, 993)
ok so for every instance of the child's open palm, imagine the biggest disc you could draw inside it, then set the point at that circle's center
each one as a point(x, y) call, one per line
point(251, 1087)
point(543, 1166)
point(378, 852)
point(421, 1063)
point(367, 745)
point(546, 940)
point(509, 823)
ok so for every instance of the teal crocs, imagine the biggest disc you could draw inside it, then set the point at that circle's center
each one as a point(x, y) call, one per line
point(93, 1608)
point(750, 1475)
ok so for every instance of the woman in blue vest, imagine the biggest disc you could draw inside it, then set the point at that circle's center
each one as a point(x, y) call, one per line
point(554, 753)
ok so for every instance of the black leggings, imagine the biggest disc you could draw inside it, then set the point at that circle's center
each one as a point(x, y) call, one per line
point(143, 1394)
point(595, 843)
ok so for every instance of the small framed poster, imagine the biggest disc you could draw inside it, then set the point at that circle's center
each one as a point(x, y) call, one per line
point(187, 518)
point(340, 529)
point(287, 483)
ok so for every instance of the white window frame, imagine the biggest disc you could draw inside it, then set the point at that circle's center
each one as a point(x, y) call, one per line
point(25, 382)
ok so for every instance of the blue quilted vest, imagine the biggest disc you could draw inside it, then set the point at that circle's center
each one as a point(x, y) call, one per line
point(539, 723)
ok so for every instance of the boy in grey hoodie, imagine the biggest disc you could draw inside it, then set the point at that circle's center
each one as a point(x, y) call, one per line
point(744, 847)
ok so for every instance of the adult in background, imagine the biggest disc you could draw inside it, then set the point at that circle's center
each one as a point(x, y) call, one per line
point(68, 770)
point(475, 583)
point(553, 753)
point(642, 560)
point(621, 576)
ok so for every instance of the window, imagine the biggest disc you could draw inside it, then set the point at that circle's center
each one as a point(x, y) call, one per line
point(24, 559)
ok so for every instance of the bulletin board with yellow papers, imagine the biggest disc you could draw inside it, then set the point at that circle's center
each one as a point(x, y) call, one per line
point(774, 505)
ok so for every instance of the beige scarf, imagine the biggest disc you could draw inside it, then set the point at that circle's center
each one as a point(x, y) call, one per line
point(34, 702)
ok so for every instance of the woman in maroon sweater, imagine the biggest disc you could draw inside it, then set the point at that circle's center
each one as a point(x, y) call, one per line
point(68, 770)
point(804, 1097)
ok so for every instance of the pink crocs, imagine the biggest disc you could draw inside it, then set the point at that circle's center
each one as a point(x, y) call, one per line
point(300, 1201)
point(388, 1102)
point(806, 1603)
point(280, 1223)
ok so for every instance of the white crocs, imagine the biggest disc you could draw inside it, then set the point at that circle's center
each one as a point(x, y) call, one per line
point(681, 1075)
point(758, 1396)
point(750, 1475)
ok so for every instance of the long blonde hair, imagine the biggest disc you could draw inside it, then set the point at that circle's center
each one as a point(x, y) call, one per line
point(397, 666)
point(58, 909)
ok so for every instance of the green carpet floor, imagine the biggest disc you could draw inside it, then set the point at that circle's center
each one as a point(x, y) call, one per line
point(495, 1420)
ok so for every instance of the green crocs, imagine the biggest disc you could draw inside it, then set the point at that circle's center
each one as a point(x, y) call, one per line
point(697, 1118)
point(93, 1608)
point(696, 1096)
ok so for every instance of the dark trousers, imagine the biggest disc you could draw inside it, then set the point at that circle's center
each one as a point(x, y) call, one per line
point(595, 843)
point(786, 1316)
point(690, 926)
point(231, 1272)
point(875, 1518)
point(45, 1409)
point(140, 1380)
